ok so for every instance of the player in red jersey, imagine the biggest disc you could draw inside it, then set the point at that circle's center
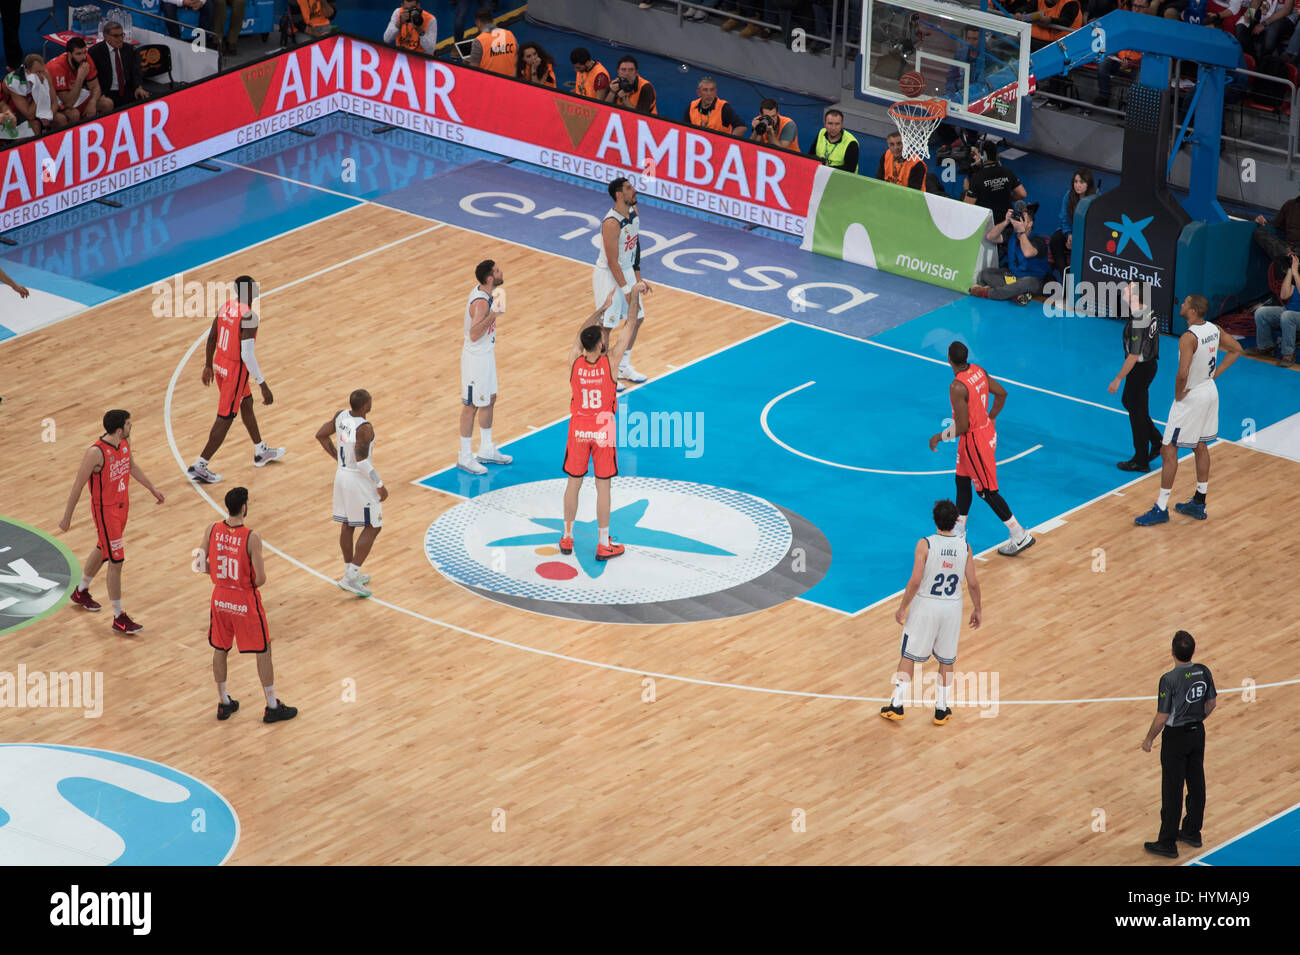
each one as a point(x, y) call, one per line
point(108, 467)
point(231, 360)
point(231, 552)
point(593, 434)
point(977, 440)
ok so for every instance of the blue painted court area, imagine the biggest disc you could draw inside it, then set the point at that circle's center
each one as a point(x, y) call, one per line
point(1275, 842)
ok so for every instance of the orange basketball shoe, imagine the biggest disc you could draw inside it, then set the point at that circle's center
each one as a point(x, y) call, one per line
point(566, 545)
point(609, 551)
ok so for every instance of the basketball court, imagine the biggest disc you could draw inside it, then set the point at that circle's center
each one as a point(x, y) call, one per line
point(712, 696)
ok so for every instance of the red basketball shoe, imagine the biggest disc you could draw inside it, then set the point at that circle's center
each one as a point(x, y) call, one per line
point(609, 551)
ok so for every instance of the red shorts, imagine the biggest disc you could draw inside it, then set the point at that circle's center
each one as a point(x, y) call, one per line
point(110, 522)
point(594, 439)
point(235, 388)
point(975, 458)
point(238, 618)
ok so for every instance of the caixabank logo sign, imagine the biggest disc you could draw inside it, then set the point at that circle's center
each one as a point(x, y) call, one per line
point(694, 552)
point(1134, 238)
point(36, 573)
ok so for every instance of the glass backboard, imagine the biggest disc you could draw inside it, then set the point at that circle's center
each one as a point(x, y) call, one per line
point(977, 60)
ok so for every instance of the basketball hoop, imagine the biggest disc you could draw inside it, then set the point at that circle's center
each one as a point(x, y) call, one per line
point(916, 119)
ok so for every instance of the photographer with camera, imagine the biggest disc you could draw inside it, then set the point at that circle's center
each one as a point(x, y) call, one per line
point(709, 112)
point(772, 129)
point(1027, 265)
point(630, 90)
point(990, 184)
point(412, 28)
point(835, 146)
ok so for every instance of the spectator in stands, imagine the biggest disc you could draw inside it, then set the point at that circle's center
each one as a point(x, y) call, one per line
point(12, 126)
point(991, 184)
point(119, 64)
point(1267, 30)
point(592, 79)
point(709, 112)
point(1284, 236)
point(413, 28)
point(772, 129)
point(956, 80)
point(835, 146)
point(172, 11)
point(1062, 241)
point(11, 12)
point(535, 65)
point(753, 11)
point(1027, 266)
point(229, 45)
point(894, 168)
point(77, 84)
point(31, 92)
point(1052, 20)
point(316, 16)
point(494, 48)
point(1269, 319)
point(631, 90)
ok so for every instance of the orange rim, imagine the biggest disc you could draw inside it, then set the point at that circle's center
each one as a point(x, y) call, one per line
point(933, 108)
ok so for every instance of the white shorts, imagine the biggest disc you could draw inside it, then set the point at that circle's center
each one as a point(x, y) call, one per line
point(1195, 418)
point(932, 627)
point(478, 378)
point(602, 283)
point(356, 500)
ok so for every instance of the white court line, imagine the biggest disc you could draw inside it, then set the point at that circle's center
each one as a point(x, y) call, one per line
point(305, 185)
point(1241, 835)
point(762, 420)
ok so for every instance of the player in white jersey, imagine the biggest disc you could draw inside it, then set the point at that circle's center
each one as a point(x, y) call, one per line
point(1194, 417)
point(931, 611)
point(359, 492)
point(478, 368)
point(619, 267)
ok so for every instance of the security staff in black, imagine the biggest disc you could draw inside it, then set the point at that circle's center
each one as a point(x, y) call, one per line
point(1186, 698)
point(1141, 352)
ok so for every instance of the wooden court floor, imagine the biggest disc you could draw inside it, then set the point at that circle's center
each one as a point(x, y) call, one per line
point(448, 727)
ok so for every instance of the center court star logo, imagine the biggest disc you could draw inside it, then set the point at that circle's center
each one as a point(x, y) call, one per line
point(624, 527)
point(1127, 230)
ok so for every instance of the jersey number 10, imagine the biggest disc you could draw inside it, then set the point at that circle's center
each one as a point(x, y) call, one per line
point(223, 337)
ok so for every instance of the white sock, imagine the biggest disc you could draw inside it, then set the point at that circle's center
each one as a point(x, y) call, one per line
point(626, 360)
point(1162, 501)
point(465, 448)
point(270, 695)
point(200, 462)
point(900, 692)
point(85, 583)
point(486, 436)
point(259, 447)
point(225, 697)
point(960, 526)
point(1202, 487)
point(604, 537)
point(349, 570)
point(1014, 527)
point(568, 528)
point(117, 607)
point(941, 696)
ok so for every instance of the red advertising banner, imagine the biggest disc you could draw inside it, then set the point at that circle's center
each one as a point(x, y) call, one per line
point(721, 174)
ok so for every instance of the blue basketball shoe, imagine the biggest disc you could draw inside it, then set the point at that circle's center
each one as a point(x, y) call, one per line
point(1191, 509)
point(1157, 515)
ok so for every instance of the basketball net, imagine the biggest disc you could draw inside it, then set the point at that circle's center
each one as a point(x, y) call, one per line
point(916, 119)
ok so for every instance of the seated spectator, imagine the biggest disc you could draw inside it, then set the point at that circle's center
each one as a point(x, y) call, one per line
point(772, 129)
point(631, 90)
point(592, 79)
point(894, 168)
point(413, 28)
point(1281, 237)
point(316, 16)
point(1051, 20)
point(12, 126)
point(835, 146)
point(535, 65)
point(1269, 319)
point(494, 48)
point(31, 93)
point(172, 11)
point(119, 63)
point(1266, 32)
point(76, 83)
point(1027, 266)
point(709, 112)
point(991, 184)
point(1062, 241)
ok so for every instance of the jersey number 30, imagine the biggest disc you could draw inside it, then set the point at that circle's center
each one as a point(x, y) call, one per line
point(938, 589)
point(228, 567)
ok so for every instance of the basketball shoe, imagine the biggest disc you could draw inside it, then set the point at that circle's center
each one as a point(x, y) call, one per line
point(625, 370)
point(466, 462)
point(353, 584)
point(892, 712)
point(609, 551)
point(1192, 509)
point(266, 455)
point(491, 455)
point(1157, 515)
point(83, 599)
point(124, 624)
point(566, 546)
point(942, 716)
point(200, 472)
point(225, 709)
point(1011, 548)
point(280, 713)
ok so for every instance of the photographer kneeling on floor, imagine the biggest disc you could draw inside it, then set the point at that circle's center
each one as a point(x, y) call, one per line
point(1027, 263)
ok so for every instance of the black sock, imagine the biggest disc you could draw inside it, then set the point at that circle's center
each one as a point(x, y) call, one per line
point(1198, 497)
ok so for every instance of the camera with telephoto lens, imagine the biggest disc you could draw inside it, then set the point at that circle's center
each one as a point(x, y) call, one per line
point(415, 15)
point(622, 85)
point(763, 125)
point(1018, 210)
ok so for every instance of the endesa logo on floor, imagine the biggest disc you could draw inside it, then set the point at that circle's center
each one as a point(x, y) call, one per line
point(591, 140)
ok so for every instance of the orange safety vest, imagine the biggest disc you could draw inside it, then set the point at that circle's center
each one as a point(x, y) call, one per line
point(499, 48)
point(586, 85)
point(635, 98)
point(313, 13)
point(1051, 9)
point(547, 80)
point(900, 172)
point(710, 120)
point(408, 39)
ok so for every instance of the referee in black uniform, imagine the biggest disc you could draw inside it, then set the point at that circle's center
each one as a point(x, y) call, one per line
point(1186, 698)
point(1141, 351)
